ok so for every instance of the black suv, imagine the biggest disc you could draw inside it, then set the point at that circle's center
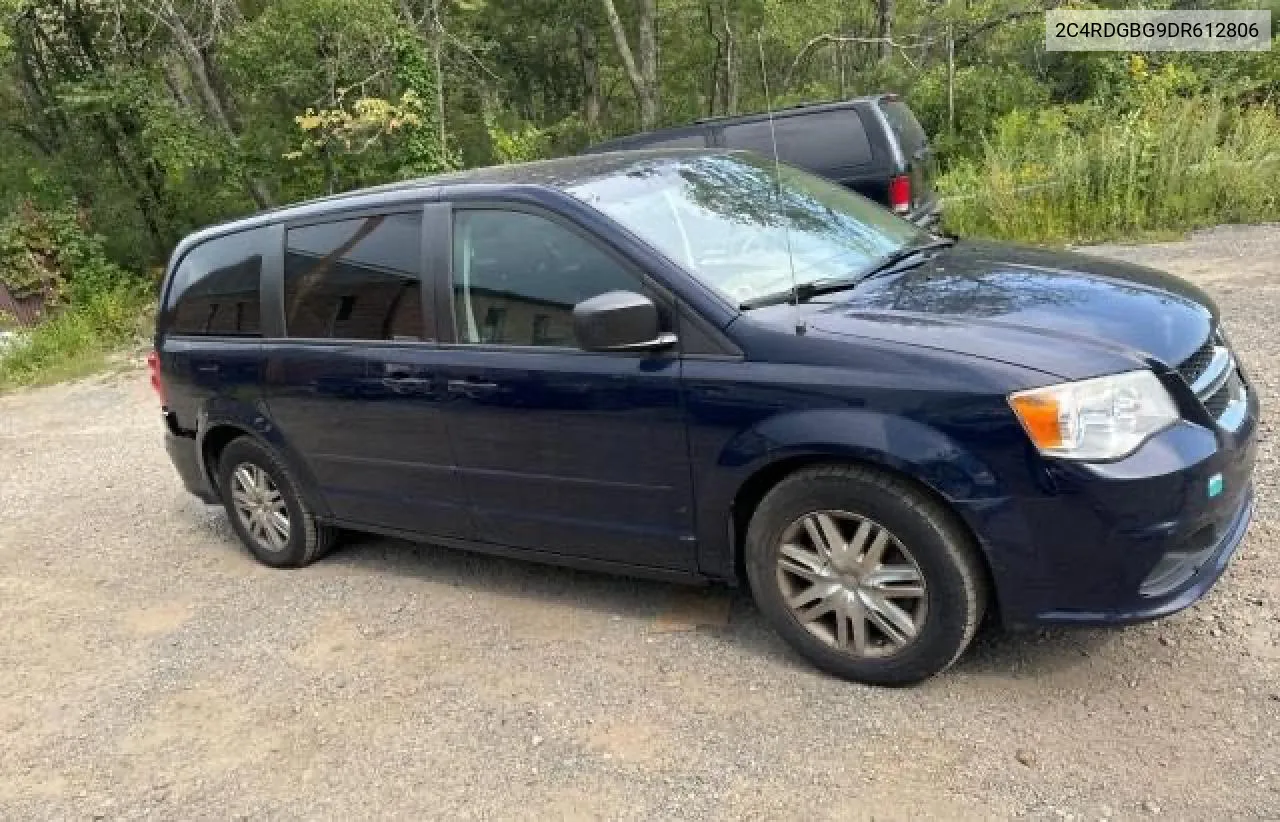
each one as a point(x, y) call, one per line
point(873, 145)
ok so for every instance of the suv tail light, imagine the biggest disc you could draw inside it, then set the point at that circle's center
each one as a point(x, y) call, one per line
point(157, 382)
point(900, 194)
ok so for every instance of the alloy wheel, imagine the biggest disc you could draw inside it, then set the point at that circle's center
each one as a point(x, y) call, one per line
point(260, 506)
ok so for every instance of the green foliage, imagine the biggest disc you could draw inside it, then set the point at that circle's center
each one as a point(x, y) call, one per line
point(1088, 172)
point(51, 252)
point(158, 118)
point(423, 151)
point(519, 141)
point(357, 128)
point(75, 341)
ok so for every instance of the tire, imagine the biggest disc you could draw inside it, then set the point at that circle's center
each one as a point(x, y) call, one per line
point(306, 539)
point(935, 618)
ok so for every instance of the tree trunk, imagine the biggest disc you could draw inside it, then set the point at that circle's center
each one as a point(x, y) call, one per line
point(715, 81)
point(642, 72)
point(884, 27)
point(211, 101)
point(730, 69)
point(651, 104)
point(174, 81)
point(837, 57)
point(951, 80)
point(437, 65)
point(589, 50)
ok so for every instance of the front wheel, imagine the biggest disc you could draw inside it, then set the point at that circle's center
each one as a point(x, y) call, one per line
point(865, 575)
point(267, 509)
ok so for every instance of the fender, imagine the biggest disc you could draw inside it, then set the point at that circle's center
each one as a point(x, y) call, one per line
point(896, 443)
point(252, 419)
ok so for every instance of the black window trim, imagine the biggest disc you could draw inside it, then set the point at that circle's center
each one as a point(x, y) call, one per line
point(430, 325)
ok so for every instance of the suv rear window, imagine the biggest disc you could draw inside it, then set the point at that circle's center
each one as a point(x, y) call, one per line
point(216, 289)
point(356, 279)
point(906, 127)
point(820, 141)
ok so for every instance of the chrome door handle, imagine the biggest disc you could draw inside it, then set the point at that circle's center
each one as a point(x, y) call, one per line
point(471, 388)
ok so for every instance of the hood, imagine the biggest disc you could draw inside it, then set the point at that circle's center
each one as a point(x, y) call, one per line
point(1066, 314)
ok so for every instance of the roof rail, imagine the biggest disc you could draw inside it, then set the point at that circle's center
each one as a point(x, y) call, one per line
point(805, 104)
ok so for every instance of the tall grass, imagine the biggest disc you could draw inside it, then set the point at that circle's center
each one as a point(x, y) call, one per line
point(75, 341)
point(1085, 173)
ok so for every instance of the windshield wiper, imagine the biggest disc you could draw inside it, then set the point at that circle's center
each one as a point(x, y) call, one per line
point(891, 261)
point(803, 292)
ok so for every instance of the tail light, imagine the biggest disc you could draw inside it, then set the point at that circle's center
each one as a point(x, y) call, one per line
point(157, 381)
point(900, 194)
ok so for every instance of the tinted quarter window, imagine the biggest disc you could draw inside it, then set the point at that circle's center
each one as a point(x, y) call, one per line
point(517, 277)
point(355, 279)
point(216, 289)
point(825, 140)
point(905, 126)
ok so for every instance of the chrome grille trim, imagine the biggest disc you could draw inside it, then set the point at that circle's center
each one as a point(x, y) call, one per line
point(1194, 366)
point(1215, 373)
point(1234, 413)
point(1213, 376)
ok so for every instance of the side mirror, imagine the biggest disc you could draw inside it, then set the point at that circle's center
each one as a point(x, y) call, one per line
point(619, 321)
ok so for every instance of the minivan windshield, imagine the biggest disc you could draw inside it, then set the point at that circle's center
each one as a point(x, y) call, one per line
point(740, 228)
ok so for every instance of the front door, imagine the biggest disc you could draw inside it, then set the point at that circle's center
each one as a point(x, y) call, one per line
point(562, 450)
point(349, 386)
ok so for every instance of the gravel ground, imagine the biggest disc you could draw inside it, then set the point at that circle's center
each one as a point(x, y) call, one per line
point(149, 668)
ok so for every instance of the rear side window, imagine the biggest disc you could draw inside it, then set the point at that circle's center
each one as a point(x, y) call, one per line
point(216, 289)
point(357, 279)
point(905, 126)
point(820, 141)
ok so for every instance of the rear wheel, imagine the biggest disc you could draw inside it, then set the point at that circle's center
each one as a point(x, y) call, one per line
point(266, 508)
point(865, 575)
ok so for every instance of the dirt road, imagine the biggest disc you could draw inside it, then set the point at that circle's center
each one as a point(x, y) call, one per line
point(150, 669)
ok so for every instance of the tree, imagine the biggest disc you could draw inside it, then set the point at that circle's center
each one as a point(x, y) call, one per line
point(193, 40)
point(642, 64)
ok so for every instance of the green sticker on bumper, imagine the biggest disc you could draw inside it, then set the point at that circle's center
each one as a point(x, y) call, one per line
point(1215, 485)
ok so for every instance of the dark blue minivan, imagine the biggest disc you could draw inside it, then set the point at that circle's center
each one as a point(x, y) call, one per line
point(693, 365)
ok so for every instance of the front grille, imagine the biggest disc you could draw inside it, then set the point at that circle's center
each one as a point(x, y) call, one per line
point(1218, 401)
point(1193, 367)
point(1212, 374)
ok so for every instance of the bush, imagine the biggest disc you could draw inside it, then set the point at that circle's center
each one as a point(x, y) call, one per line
point(1087, 172)
point(92, 306)
point(51, 252)
point(74, 341)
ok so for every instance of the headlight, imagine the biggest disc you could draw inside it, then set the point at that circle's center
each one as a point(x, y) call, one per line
point(1099, 419)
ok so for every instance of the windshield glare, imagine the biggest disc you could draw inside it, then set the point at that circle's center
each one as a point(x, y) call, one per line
point(723, 218)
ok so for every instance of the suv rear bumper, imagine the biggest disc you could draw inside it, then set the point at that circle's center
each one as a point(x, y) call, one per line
point(927, 215)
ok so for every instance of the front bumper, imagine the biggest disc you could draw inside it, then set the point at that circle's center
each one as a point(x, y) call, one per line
point(1133, 540)
point(1202, 570)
